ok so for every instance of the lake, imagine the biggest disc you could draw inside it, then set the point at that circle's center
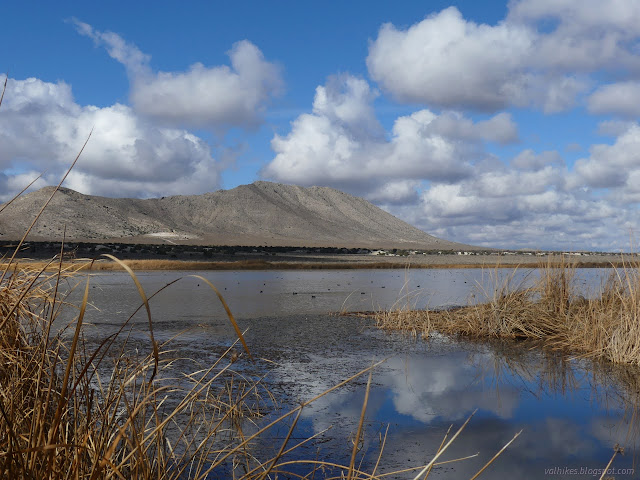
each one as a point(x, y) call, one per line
point(572, 412)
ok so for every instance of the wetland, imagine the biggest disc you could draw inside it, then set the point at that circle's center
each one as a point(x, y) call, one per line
point(572, 411)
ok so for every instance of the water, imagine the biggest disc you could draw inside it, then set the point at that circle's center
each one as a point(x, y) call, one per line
point(571, 412)
point(253, 294)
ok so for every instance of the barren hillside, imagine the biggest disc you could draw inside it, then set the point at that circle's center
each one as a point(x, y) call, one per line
point(262, 213)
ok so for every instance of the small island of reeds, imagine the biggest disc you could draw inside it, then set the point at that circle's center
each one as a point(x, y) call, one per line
point(551, 307)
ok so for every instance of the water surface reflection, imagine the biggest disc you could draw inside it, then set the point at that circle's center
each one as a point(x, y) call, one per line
point(571, 415)
point(571, 412)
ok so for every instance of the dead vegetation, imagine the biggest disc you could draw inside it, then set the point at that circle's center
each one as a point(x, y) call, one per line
point(551, 309)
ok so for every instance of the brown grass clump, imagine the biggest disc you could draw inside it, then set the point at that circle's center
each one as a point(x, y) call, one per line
point(551, 310)
point(66, 412)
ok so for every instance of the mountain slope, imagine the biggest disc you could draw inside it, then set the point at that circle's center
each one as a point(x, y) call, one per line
point(262, 213)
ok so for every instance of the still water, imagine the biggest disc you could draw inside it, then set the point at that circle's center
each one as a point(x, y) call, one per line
point(571, 412)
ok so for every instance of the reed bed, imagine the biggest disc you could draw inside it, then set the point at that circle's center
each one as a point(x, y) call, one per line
point(69, 410)
point(551, 309)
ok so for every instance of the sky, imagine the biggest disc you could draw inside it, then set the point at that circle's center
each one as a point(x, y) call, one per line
point(500, 124)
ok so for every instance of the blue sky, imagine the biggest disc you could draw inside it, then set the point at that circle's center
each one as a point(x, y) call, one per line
point(509, 124)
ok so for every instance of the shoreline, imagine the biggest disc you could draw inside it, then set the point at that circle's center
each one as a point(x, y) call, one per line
point(334, 262)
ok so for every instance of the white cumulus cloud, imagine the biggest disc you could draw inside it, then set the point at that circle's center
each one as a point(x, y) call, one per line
point(611, 166)
point(446, 61)
point(341, 143)
point(530, 160)
point(42, 128)
point(544, 54)
point(209, 97)
point(588, 34)
point(617, 98)
point(516, 208)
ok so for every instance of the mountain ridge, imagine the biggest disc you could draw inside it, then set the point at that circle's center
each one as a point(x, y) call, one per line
point(261, 213)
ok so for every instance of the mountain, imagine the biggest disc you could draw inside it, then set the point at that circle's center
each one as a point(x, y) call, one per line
point(262, 213)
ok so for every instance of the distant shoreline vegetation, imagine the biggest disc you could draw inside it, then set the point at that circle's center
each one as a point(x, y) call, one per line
point(240, 257)
point(44, 249)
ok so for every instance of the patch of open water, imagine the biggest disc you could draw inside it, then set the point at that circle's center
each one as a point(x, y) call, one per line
point(571, 412)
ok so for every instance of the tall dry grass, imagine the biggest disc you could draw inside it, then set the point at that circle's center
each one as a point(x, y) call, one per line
point(70, 412)
point(551, 309)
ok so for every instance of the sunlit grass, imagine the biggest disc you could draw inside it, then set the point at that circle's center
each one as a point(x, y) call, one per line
point(552, 310)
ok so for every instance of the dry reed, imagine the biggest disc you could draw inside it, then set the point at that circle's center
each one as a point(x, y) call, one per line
point(552, 310)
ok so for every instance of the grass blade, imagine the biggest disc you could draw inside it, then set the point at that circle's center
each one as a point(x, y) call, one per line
point(433, 460)
point(359, 432)
point(496, 455)
point(143, 295)
point(229, 314)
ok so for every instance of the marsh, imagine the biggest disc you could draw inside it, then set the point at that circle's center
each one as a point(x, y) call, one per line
point(572, 412)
